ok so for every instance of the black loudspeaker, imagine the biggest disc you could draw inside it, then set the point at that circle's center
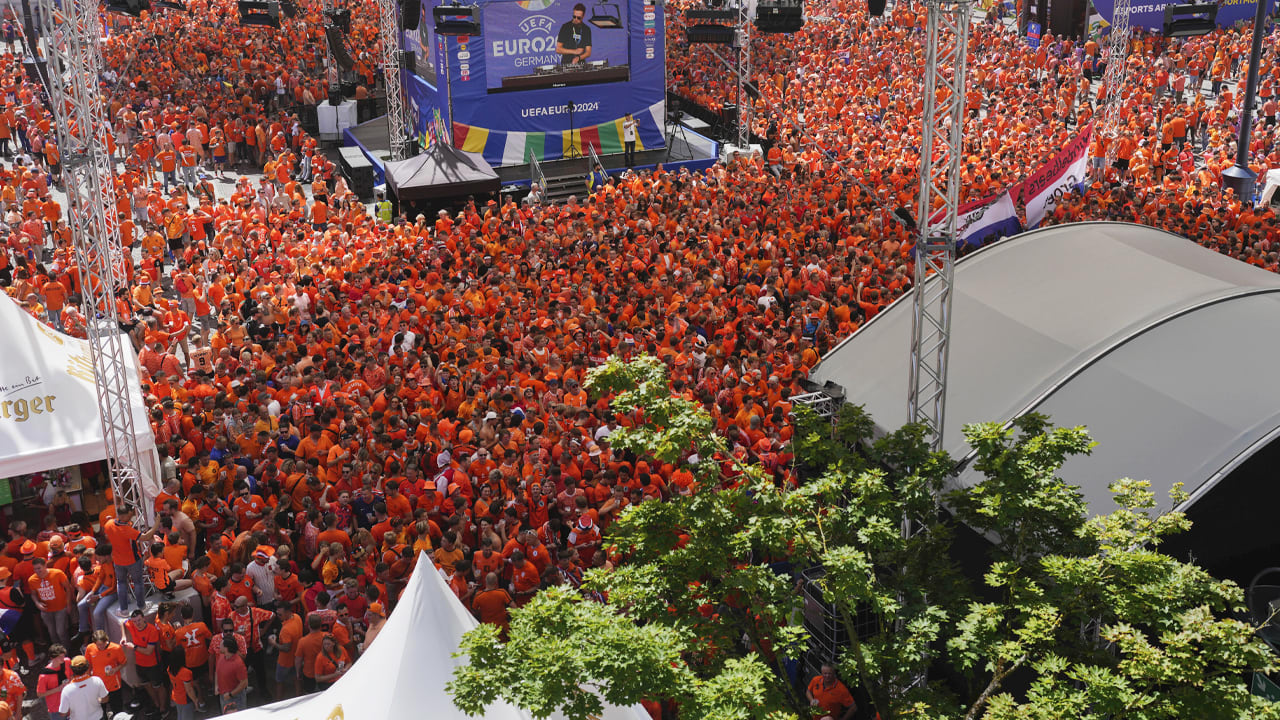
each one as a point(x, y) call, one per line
point(1189, 20)
point(779, 16)
point(37, 70)
point(729, 117)
point(259, 13)
point(338, 48)
point(408, 60)
point(411, 14)
point(876, 7)
point(132, 8)
point(709, 34)
point(358, 171)
point(341, 18)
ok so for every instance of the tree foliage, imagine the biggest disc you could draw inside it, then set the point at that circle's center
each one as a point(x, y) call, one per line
point(704, 611)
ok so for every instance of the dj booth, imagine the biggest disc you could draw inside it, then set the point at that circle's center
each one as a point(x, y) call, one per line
point(555, 76)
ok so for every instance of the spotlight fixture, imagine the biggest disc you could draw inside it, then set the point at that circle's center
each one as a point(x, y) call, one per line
point(605, 18)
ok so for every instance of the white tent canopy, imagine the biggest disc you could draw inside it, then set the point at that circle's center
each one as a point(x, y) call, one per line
point(404, 671)
point(48, 402)
point(1164, 349)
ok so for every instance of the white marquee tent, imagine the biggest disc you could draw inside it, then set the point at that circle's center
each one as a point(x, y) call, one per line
point(403, 674)
point(48, 403)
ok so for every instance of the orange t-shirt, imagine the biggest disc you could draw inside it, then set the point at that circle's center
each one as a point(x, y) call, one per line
point(50, 590)
point(291, 633)
point(194, 639)
point(107, 664)
point(55, 295)
point(122, 539)
point(179, 682)
point(491, 606)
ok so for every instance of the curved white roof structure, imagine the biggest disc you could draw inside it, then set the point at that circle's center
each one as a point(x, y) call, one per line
point(1164, 349)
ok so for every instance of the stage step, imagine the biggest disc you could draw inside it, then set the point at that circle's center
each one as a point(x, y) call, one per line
point(562, 186)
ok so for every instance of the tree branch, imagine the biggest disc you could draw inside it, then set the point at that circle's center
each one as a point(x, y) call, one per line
point(996, 679)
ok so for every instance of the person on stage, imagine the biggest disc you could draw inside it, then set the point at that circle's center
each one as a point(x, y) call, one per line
point(573, 42)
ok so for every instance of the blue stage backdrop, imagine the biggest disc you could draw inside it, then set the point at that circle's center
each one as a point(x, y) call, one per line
point(507, 92)
point(1149, 14)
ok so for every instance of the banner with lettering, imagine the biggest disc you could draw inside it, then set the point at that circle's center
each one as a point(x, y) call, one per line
point(49, 402)
point(1063, 174)
point(1149, 14)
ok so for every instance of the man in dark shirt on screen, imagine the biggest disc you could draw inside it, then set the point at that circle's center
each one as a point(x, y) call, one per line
point(574, 40)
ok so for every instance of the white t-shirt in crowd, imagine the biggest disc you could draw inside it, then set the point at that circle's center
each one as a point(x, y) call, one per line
point(82, 700)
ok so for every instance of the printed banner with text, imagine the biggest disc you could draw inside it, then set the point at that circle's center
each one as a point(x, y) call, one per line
point(1149, 14)
point(1063, 174)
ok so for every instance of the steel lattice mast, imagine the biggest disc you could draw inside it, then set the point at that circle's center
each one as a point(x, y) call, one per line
point(1114, 79)
point(71, 30)
point(397, 113)
point(941, 150)
point(743, 41)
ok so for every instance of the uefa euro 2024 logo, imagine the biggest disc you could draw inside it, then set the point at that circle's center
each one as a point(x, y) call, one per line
point(537, 24)
point(535, 5)
point(536, 46)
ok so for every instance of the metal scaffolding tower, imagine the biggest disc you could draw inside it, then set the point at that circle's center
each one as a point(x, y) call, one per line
point(397, 113)
point(742, 43)
point(940, 153)
point(71, 30)
point(1114, 79)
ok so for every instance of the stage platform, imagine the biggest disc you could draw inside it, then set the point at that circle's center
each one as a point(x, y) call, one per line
point(688, 149)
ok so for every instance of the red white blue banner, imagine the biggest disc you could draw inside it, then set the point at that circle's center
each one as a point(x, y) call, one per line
point(992, 220)
point(1063, 174)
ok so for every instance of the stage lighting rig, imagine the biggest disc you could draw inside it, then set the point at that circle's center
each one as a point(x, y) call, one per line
point(606, 16)
point(456, 19)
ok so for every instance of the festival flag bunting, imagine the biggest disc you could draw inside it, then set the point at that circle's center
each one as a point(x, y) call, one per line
point(514, 148)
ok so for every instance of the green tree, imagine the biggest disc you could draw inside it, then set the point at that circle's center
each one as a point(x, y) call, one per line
point(1087, 612)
